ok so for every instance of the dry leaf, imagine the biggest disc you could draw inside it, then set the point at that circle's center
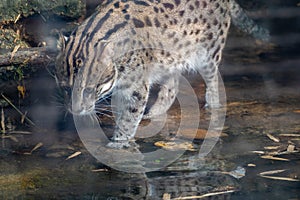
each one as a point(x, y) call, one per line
point(285, 152)
point(272, 172)
point(274, 153)
point(280, 178)
point(274, 158)
point(13, 138)
point(99, 170)
point(23, 117)
point(291, 148)
point(272, 147)
point(15, 51)
point(2, 122)
point(174, 146)
point(77, 153)
point(21, 132)
point(238, 173)
point(273, 138)
point(200, 134)
point(22, 91)
point(166, 196)
point(205, 195)
point(289, 135)
point(39, 145)
point(17, 18)
point(237, 103)
point(258, 152)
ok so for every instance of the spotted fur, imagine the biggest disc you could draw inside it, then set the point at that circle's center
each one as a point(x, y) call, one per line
point(128, 45)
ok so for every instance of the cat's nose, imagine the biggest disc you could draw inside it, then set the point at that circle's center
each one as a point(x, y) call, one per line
point(82, 108)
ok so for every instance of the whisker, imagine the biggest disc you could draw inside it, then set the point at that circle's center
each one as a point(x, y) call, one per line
point(66, 114)
point(93, 118)
point(102, 111)
point(105, 110)
point(108, 105)
point(57, 103)
point(57, 100)
point(63, 111)
point(104, 101)
point(57, 97)
point(105, 98)
point(103, 106)
point(60, 106)
point(99, 119)
point(105, 114)
point(53, 100)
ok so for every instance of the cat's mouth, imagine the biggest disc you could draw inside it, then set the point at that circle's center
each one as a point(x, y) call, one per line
point(82, 110)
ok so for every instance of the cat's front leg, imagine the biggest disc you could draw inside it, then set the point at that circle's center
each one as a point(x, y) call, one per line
point(129, 105)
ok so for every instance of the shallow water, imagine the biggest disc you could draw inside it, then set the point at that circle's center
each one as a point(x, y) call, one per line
point(262, 88)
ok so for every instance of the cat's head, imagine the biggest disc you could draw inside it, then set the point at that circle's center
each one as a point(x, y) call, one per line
point(84, 72)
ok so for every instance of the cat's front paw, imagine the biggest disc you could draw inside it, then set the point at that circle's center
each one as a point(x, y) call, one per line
point(213, 106)
point(149, 115)
point(212, 100)
point(118, 144)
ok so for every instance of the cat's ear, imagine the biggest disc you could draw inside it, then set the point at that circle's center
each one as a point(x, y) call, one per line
point(61, 42)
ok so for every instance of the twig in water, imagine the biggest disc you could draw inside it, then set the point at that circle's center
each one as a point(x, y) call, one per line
point(77, 153)
point(10, 103)
point(280, 178)
point(2, 122)
point(205, 195)
point(2, 126)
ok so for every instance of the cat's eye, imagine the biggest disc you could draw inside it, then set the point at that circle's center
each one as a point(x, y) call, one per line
point(88, 90)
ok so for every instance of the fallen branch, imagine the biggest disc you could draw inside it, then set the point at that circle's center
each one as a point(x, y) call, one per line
point(32, 56)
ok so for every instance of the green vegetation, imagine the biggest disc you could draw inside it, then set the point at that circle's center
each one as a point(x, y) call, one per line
point(11, 11)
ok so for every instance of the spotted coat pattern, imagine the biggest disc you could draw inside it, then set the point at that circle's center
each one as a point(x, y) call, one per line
point(128, 45)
